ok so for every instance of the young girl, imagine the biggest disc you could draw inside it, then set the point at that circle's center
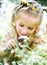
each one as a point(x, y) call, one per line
point(25, 21)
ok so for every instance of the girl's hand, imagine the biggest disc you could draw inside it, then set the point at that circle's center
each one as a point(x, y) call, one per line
point(11, 44)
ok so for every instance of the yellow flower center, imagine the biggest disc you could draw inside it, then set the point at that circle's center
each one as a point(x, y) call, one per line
point(28, 4)
point(33, 8)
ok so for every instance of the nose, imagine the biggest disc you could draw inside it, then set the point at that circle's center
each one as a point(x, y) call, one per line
point(24, 31)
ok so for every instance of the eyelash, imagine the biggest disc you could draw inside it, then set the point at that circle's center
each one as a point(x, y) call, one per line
point(29, 28)
point(21, 25)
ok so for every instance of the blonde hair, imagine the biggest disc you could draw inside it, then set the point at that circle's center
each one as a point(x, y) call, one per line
point(31, 7)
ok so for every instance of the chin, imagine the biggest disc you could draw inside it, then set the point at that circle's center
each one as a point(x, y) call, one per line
point(21, 35)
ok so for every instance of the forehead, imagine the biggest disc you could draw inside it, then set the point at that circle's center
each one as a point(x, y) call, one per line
point(28, 19)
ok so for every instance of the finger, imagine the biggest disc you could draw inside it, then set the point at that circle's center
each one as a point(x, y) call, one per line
point(9, 46)
point(13, 45)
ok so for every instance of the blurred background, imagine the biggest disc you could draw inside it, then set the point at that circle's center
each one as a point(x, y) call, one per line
point(6, 7)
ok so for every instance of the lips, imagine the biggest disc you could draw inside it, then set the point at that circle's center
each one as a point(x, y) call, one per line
point(23, 34)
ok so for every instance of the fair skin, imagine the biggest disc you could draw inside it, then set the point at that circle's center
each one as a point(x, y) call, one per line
point(26, 25)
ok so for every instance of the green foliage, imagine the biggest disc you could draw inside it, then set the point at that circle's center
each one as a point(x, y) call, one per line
point(36, 56)
point(42, 2)
point(0, 4)
point(15, 1)
point(0, 38)
point(1, 61)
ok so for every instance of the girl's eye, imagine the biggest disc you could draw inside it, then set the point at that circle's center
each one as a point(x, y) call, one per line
point(21, 25)
point(30, 28)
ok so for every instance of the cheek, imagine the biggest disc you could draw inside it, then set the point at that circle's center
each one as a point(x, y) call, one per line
point(18, 28)
point(31, 31)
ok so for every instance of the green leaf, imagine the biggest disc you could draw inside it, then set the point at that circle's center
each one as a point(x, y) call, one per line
point(42, 2)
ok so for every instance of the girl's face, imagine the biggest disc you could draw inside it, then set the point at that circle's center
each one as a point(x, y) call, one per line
point(26, 25)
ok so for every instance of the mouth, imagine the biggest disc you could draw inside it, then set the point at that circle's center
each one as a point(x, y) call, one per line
point(23, 34)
